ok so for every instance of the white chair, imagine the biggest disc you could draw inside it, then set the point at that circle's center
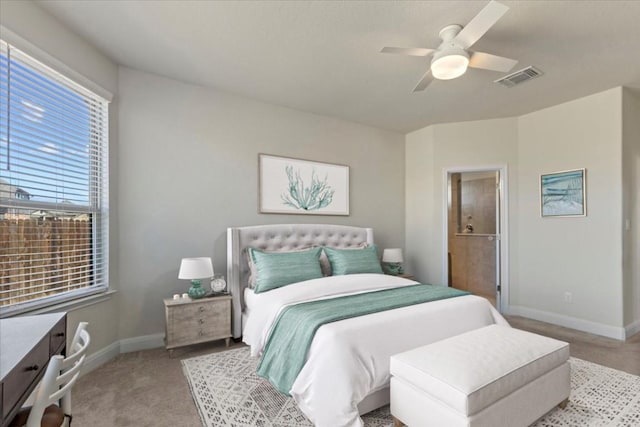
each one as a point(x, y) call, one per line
point(59, 378)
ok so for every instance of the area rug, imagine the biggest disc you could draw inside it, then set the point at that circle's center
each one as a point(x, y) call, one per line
point(228, 393)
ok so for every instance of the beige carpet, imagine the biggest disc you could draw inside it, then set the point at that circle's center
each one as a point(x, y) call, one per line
point(148, 388)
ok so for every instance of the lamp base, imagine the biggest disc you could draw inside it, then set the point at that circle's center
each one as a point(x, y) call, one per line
point(196, 291)
point(393, 268)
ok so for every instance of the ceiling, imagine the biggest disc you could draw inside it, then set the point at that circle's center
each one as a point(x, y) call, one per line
point(323, 56)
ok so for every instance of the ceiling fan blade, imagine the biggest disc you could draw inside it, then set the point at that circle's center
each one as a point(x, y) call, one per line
point(486, 61)
point(424, 81)
point(480, 24)
point(410, 51)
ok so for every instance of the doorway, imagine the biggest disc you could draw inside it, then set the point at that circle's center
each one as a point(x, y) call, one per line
point(475, 225)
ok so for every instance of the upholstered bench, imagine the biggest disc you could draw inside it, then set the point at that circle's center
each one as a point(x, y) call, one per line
point(493, 376)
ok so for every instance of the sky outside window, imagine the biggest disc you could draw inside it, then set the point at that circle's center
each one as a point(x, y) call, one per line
point(45, 136)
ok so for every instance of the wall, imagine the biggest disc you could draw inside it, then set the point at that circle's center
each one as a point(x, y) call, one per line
point(549, 256)
point(631, 208)
point(577, 255)
point(421, 250)
point(189, 169)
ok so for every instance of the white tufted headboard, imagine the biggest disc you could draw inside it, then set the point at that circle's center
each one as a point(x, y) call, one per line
point(280, 237)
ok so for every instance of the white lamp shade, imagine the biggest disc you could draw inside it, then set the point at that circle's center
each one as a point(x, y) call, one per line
point(195, 268)
point(392, 255)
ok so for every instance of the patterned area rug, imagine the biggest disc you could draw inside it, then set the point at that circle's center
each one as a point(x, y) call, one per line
point(227, 392)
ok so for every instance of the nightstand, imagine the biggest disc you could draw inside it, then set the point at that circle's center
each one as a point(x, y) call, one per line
point(194, 321)
point(407, 276)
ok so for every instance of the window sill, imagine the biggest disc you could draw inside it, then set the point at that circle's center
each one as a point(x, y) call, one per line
point(68, 305)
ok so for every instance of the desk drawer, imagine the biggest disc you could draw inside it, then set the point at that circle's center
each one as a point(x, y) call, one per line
point(24, 373)
point(58, 336)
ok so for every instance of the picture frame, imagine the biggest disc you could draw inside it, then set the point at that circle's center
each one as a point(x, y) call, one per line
point(563, 193)
point(288, 185)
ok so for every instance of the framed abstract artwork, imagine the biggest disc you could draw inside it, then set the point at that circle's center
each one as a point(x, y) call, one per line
point(563, 193)
point(296, 186)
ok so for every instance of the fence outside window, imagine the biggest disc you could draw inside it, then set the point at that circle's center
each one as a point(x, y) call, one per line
point(44, 257)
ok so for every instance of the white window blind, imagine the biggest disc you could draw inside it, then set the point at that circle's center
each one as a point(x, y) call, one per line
point(53, 185)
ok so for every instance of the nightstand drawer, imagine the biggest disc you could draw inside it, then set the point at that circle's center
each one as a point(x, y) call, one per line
point(191, 335)
point(194, 311)
point(184, 336)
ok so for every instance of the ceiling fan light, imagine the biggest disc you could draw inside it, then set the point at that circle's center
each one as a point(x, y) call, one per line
point(449, 64)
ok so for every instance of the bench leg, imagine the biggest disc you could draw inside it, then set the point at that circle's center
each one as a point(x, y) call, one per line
point(397, 422)
point(564, 403)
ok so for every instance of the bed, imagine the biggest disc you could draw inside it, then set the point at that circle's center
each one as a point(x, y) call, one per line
point(347, 366)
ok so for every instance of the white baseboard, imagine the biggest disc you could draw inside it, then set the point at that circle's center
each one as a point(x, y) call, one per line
point(101, 357)
point(127, 345)
point(144, 342)
point(614, 332)
point(632, 329)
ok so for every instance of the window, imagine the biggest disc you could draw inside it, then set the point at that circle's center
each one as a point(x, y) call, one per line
point(53, 185)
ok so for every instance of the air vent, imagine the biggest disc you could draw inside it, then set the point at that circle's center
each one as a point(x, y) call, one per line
point(519, 77)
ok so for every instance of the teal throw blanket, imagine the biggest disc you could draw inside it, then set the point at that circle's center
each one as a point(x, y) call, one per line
point(286, 351)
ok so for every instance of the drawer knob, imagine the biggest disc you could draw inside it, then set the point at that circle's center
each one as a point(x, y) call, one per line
point(201, 321)
point(201, 309)
point(60, 334)
point(32, 368)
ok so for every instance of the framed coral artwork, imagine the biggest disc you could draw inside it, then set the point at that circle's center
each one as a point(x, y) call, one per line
point(296, 186)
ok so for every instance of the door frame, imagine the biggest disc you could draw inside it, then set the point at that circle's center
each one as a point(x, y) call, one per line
point(503, 278)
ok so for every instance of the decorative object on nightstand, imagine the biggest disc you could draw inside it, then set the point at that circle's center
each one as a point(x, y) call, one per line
point(392, 261)
point(196, 269)
point(218, 284)
point(190, 321)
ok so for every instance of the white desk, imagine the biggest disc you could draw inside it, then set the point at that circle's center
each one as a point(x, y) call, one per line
point(26, 345)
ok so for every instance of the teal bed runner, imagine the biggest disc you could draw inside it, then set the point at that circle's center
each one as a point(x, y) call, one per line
point(286, 351)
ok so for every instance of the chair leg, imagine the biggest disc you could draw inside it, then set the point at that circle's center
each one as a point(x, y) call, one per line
point(67, 423)
point(564, 403)
point(397, 422)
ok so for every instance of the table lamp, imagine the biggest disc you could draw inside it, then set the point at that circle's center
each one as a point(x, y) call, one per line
point(195, 269)
point(392, 261)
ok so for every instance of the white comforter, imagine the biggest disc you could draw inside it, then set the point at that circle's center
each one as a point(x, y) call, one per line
point(349, 359)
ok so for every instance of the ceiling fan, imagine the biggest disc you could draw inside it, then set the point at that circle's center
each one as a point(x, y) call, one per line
point(452, 57)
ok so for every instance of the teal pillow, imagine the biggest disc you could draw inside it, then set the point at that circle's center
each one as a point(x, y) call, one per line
point(277, 269)
point(354, 261)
